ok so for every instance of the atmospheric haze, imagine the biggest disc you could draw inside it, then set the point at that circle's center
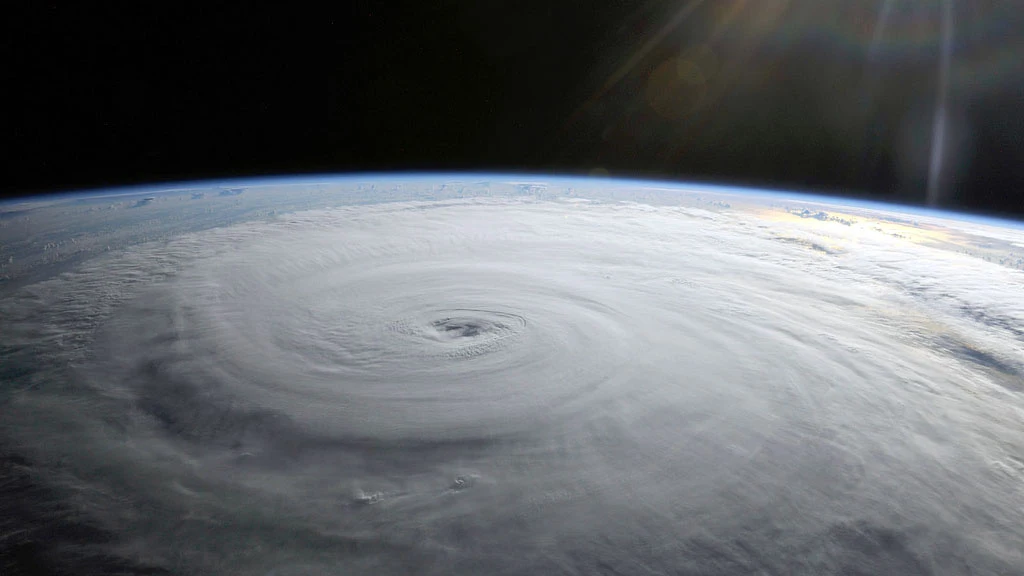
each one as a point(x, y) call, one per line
point(534, 383)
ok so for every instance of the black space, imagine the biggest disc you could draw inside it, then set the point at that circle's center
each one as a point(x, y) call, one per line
point(135, 92)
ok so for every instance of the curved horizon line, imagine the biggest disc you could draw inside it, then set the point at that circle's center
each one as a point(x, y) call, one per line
point(511, 177)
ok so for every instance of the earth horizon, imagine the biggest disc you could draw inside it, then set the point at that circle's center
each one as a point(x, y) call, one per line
point(514, 374)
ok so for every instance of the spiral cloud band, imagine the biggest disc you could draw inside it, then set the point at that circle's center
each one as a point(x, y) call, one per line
point(521, 386)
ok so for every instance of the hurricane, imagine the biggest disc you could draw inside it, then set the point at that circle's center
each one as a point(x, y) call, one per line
point(519, 386)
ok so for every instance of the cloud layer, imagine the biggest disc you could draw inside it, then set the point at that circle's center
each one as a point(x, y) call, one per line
point(522, 387)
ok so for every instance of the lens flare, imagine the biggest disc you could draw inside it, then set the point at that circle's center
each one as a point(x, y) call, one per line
point(939, 122)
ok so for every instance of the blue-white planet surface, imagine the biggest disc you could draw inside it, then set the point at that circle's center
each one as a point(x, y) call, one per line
point(487, 374)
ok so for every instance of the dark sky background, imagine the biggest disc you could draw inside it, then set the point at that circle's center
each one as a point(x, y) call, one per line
point(799, 94)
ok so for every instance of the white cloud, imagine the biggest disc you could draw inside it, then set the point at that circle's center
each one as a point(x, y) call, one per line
point(632, 368)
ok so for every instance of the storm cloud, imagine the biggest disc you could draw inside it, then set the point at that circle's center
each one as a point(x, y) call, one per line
point(519, 386)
